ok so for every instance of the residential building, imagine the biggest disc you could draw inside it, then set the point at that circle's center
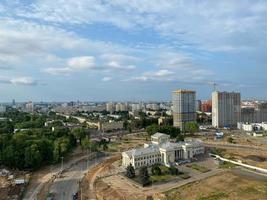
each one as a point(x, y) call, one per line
point(206, 106)
point(120, 107)
point(184, 107)
point(226, 109)
point(110, 107)
point(29, 107)
point(161, 151)
point(2, 108)
point(255, 112)
point(250, 127)
point(198, 105)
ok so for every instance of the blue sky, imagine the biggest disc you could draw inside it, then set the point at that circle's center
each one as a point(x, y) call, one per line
point(56, 50)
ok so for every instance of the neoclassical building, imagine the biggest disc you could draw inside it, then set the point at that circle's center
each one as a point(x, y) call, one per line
point(161, 150)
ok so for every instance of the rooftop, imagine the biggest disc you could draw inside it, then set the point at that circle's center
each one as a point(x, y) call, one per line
point(184, 91)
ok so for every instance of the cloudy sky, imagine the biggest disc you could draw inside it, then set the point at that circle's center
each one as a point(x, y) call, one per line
point(55, 50)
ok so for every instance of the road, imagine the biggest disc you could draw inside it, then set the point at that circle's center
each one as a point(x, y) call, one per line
point(64, 187)
point(33, 190)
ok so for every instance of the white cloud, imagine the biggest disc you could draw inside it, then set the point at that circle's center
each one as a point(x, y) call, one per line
point(65, 71)
point(23, 81)
point(209, 25)
point(105, 79)
point(82, 62)
point(113, 65)
point(19, 81)
point(160, 75)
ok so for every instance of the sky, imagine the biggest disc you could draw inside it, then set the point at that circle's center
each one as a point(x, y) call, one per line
point(103, 50)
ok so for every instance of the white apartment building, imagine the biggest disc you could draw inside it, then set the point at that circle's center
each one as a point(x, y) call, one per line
point(250, 127)
point(29, 107)
point(160, 150)
point(110, 107)
point(121, 107)
point(226, 109)
point(184, 107)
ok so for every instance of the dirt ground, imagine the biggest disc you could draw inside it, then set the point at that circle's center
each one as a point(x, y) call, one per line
point(227, 186)
point(255, 158)
point(88, 185)
point(7, 190)
point(128, 142)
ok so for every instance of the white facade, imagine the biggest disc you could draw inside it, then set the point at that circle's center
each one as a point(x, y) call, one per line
point(226, 109)
point(110, 107)
point(120, 107)
point(29, 107)
point(162, 151)
point(252, 127)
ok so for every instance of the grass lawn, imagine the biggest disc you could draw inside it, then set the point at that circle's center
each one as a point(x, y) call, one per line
point(221, 187)
point(227, 165)
point(215, 196)
point(184, 175)
point(162, 178)
point(197, 167)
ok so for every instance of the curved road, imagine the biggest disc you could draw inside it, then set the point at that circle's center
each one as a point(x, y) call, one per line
point(31, 193)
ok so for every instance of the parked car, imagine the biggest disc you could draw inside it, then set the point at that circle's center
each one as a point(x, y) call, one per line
point(75, 196)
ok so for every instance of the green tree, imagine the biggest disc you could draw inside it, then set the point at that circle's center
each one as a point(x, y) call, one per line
point(167, 129)
point(79, 133)
point(130, 172)
point(155, 170)
point(191, 127)
point(173, 171)
point(144, 176)
point(152, 129)
point(33, 157)
point(230, 140)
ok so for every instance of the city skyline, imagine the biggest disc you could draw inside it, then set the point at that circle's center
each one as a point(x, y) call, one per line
point(139, 50)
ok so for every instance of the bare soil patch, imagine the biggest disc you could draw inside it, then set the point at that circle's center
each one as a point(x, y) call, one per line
point(227, 186)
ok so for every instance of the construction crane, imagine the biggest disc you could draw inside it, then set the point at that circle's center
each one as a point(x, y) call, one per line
point(214, 85)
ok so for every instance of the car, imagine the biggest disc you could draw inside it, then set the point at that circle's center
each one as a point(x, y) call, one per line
point(51, 196)
point(75, 196)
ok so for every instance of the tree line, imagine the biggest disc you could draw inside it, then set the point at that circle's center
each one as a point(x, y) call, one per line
point(35, 145)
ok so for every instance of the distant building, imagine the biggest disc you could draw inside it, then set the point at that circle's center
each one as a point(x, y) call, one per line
point(13, 103)
point(161, 120)
point(226, 109)
point(120, 107)
point(29, 107)
point(206, 106)
point(184, 107)
point(161, 151)
point(198, 105)
point(110, 107)
point(2, 108)
point(136, 107)
point(250, 127)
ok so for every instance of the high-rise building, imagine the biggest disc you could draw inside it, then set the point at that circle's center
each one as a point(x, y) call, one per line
point(206, 106)
point(198, 105)
point(2, 108)
point(254, 113)
point(13, 103)
point(184, 107)
point(110, 107)
point(29, 107)
point(120, 107)
point(226, 109)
